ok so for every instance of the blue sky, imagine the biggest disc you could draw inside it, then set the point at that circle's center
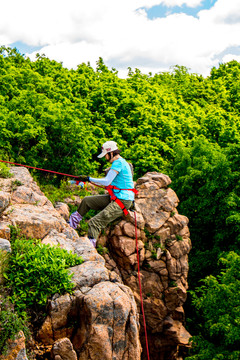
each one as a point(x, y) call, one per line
point(161, 11)
point(24, 48)
point(151, 35)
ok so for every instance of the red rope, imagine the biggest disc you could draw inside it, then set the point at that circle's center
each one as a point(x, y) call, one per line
point(32, 167)
point(140, 288)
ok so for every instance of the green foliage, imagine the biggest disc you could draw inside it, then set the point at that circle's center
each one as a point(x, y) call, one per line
point(179, 237)
point(64, 190)
point(4, 171)
point(146, 245)
point(217, 301)
point(10, 324)
point(149, 294)
point(82, 227)
point(4, 258)
point(207, 182)
point(172, 284)
point(15, 184)
point(148, 234)
point(37, 271)
point(157, 246)
point(102, 250)
point(174, 122)
point(154, 254)
point(55, 118)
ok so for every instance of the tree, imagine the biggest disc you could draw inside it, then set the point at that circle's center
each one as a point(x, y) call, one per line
point(208, 189)
point(217, 303)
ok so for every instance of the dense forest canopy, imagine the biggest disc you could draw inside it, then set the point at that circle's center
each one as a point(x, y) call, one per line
point(173, 122)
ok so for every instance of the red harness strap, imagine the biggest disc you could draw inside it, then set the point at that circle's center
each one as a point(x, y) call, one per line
point(113, 197)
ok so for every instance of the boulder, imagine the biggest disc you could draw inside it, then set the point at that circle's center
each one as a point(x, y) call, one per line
point(54, 238)
point(63, 210)
point(25, 195)
point(16, 348)
point(6, 185)
point(89, 274)
point(85, 249)
point(35, 221)
point(176, 223)
point(4, 200)
point(108, 324)
point(5, 245)
point(63, 350)
point(102, 323)
point(160, 179)
point(179, 248)
point(5, 230)
point(22, 176)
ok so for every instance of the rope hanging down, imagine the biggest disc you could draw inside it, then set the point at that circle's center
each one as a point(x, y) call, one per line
point(138, 260)
point(125, 211)
point(140, 288)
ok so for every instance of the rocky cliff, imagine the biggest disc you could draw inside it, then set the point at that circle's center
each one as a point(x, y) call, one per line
point(164, 244)
point(101, 319)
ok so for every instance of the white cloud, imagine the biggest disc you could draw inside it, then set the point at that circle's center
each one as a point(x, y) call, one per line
point(223, 12)
point(223, 27)
point(119, 31)
point(71, 54)
point(230, 57)
point(189, 3)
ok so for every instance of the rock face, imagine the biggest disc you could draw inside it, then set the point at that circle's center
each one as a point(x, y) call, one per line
point(163, 244)
point(100, 320)
point(16, 349)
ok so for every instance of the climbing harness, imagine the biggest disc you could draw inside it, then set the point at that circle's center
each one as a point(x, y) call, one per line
point(113, 197)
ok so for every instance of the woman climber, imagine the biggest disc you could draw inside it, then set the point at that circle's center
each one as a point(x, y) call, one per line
point(118, 182)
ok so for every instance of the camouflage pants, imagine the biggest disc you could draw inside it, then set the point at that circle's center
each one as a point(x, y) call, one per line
point(110, 211)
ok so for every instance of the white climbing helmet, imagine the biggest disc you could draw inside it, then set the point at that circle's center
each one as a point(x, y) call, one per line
point(107, 147)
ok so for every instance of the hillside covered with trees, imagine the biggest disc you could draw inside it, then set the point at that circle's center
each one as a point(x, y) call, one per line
point(175, 122)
